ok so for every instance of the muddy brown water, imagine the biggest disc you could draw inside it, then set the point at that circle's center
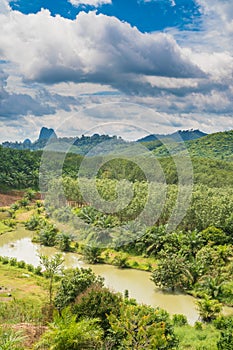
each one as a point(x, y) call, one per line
point(19, 245)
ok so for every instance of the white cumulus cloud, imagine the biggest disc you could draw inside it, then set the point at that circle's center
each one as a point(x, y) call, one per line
point(95, 3)
point(95, 59)
point(93, 48)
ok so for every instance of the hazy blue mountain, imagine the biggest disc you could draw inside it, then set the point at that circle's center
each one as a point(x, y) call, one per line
point(185, 135)
point(46, 134)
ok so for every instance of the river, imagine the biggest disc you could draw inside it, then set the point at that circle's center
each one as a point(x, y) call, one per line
point(138, 283)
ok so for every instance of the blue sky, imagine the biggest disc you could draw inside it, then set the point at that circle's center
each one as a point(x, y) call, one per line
point(112, 66)
point(147, 16)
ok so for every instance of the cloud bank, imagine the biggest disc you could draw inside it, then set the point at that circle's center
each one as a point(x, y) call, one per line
point(174, 72)
point(93, 48)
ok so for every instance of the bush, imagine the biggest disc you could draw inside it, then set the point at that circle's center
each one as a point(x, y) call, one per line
point(121, 260)
point(73, 283)
point(21, 264)
point(38, 270)
point(11, 213)
point(23, 202)
point(13, 261)
point(29, 195)
point(179, 320)
point(92, 254)
point(10, 340)
point(39, 204)
point(33, 223)
point(10, 223)
point(223, 322)
point(14, 206)
point(30, 267)
point(143, 327)
point(198, 326)
point(98, 302)
point(226, 340)
point(5, 260)
point(134, 264)
point(65, 333)
point(209, 309)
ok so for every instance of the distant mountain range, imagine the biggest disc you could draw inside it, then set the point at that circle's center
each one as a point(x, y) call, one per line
point(84, 143)
point(48, 137)
point(215, 146)
point(180, 135)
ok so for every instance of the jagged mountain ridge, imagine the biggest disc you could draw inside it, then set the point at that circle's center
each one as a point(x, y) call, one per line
point(84, 143)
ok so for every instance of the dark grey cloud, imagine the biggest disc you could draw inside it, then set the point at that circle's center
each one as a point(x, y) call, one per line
point(14, 105)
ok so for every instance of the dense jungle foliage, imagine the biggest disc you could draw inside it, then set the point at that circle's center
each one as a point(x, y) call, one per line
point(72, 309)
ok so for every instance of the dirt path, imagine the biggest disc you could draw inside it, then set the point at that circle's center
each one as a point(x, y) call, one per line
point(25, 216)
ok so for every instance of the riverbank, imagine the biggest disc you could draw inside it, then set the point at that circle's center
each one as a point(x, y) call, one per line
point(122, 271)
point(22, 311)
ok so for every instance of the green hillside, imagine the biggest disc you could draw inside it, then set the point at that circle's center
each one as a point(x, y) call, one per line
point(218, 145)
point(212, 160)
point(215, 146)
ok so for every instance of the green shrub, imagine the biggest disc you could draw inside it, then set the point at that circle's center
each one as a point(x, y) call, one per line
point(121, 260)
point(226, 340)
point(134, 264)
point(10, 340)
point(198, 326)
point(14, 206)
point(10, 223)
point(13, 261)
point(30, 267)
point(179, 320)
point(5, 260)
point(33, 223)
point(223, 322)
point(21, 264)
point(38, 270)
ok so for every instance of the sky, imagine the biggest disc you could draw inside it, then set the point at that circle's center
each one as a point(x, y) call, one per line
point(123, 67)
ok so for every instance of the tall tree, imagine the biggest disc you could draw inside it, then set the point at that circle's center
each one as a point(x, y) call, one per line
point(52, 267)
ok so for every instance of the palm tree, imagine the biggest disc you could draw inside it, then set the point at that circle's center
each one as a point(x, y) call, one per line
point(208, 308)
point(67, 334)
point(11, 340)
point(211, 285)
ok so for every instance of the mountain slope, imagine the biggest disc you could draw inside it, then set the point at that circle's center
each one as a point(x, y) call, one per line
point(185, 135)
point(215, 146)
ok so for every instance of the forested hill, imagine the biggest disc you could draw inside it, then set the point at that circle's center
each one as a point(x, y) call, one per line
point(18, 169)
point(212, 158)
point(214, 146)
point(218, 145)
point(80, 145)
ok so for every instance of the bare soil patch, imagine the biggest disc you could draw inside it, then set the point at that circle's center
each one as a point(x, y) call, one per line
point(31, 332)
point(8, 198)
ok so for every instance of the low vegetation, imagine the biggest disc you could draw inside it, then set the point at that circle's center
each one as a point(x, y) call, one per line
point(49, 307)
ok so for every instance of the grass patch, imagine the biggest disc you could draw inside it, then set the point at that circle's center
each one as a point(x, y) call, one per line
point(4, 215)
point(22, 284)
point(22, 295)
point(4, 228)
point(133, 261)
point(197, 339)
point(24, 214)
